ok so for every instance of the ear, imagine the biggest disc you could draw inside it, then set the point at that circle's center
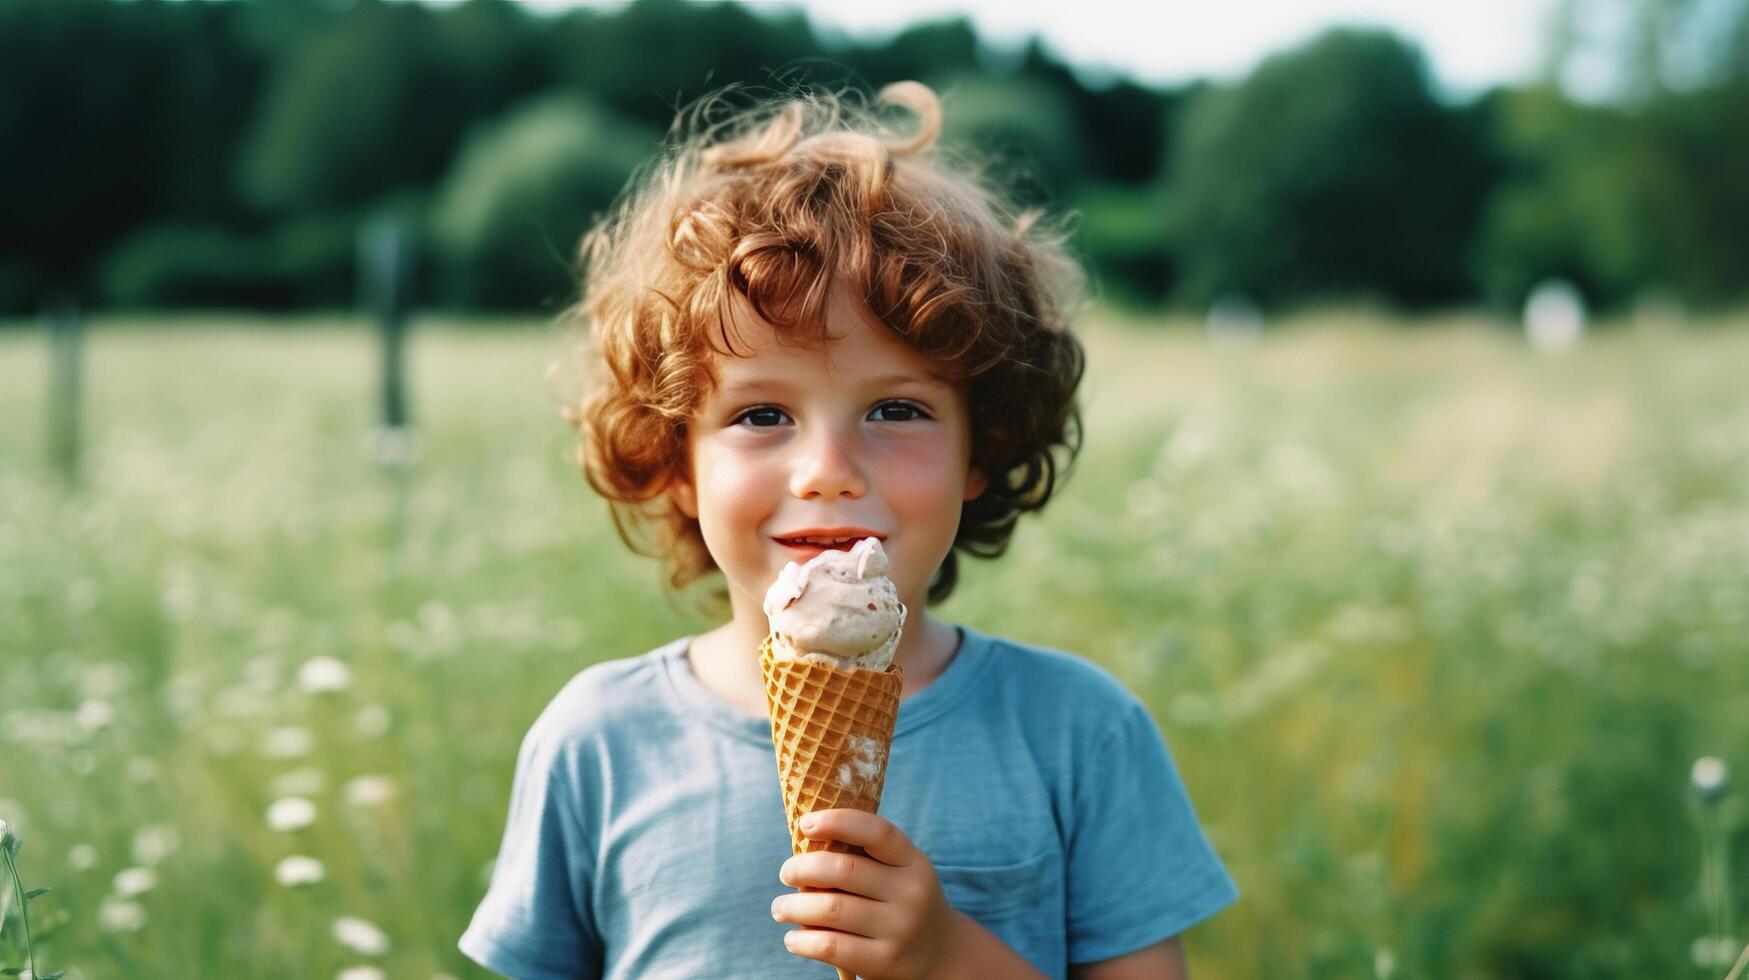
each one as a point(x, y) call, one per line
point(976, 483)
point(684, 496)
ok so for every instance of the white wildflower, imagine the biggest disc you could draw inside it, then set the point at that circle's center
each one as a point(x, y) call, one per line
point(324, 675)
point(95, 713)
point(291, 813)
point(369, 790)
point(1709, 777)
point(1554, 315)
point(359, 973)
point(288, 742)
point(81, 857)
point(155, 842)
point(435, 617)
point(360, 936)
point(120, 915)
point(130, 882)
point(41, 727)
point(299, 869)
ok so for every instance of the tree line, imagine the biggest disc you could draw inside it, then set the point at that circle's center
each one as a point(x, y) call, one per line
point(182, 154)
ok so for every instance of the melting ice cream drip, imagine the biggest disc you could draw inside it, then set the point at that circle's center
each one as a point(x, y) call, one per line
point(868, 758)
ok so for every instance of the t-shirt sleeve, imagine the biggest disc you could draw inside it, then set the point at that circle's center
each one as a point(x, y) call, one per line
point(1139, 867)
point(535, 922)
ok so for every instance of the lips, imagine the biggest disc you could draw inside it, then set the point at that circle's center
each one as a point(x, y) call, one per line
point(814, 540)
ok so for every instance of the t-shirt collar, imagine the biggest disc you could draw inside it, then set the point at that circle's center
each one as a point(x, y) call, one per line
point(692, 697)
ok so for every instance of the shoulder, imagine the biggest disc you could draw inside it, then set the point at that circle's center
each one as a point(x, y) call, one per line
point(1043, 674)
point(598, 702)
point(1058, 700)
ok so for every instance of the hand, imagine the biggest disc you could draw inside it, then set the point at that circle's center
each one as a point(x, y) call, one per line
point(888, 919)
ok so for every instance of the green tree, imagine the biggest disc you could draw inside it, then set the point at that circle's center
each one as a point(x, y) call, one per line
point(947, 46)
point(1125, 129)
point(378, 99)
point(1566, 206)
point(1704, 136)
point(524, 189)
point(112, 113)
point(1022, 128)
point(1331, 170)
point(1122, 236)
point(653, 56)
point(1620, 200)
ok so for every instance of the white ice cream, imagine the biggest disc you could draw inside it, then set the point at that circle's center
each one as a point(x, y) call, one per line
point(838, 608)
point(868, 759)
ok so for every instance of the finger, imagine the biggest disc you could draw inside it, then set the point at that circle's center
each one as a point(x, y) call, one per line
point(857, 954)
point(851, 873)
point(875, 834)
point(834, 910)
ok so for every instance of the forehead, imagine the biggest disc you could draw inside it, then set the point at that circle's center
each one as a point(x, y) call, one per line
point(858, 348)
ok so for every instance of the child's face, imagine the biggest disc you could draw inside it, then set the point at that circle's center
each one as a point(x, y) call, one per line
point(858, 435)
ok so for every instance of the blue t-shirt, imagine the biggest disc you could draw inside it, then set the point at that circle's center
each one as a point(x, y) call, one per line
point(646, 827)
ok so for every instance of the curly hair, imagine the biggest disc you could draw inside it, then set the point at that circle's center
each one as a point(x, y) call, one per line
point(772, 204)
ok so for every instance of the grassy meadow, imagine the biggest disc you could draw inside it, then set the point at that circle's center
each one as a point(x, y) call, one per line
point(1435, 626)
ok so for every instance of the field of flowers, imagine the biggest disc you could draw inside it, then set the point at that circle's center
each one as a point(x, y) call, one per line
point(1436, 626)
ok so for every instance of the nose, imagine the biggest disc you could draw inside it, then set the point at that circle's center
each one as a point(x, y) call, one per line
point(826, 466)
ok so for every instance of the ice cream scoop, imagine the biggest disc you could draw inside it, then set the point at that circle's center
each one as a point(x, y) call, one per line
point(838, 608)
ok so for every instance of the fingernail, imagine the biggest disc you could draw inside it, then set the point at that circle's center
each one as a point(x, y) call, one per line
point(774, 908)
point(809, 822)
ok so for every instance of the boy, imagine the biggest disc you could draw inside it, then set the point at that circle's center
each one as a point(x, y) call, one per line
point(808, 332)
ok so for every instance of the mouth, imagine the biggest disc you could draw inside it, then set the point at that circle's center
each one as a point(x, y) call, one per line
point(809, 550)
point(811, 545)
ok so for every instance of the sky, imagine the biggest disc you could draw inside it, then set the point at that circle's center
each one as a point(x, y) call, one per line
point(1470, 45)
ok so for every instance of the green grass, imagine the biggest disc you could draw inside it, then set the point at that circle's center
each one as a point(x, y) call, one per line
point(1434, 625)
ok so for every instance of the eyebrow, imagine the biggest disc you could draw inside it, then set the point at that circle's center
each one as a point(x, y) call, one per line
point(781, 384)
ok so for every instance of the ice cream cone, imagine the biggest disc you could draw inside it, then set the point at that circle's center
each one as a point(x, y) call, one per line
point(832, 729)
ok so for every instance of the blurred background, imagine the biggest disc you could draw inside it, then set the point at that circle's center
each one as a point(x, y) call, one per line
point(1415, 500)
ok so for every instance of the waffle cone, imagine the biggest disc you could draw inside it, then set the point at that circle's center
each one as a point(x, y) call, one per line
point(821, 717)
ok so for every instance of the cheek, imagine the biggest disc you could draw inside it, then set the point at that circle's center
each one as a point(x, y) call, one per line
point(925, 486)
point(733, 492)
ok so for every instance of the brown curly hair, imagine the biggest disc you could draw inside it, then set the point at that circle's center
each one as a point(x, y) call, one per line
point(772, 203)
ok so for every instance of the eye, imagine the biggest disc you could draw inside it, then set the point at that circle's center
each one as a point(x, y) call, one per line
point(907, 411)
point(762, 416)
point(769, 416)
